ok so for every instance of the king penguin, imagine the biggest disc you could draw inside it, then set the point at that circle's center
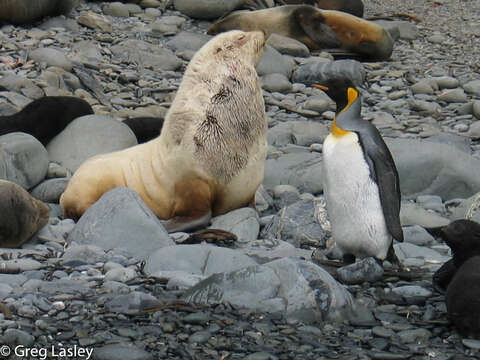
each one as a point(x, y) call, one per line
point(361, 183)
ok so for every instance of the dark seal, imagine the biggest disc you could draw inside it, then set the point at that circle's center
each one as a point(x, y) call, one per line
point(461, 275)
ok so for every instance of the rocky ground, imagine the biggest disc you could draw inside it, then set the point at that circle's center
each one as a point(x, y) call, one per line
point(116, 283)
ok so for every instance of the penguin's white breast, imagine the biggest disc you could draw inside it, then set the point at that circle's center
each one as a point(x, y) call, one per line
point(353, 199)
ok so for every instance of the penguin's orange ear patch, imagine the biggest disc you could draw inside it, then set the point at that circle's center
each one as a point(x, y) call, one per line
point(352, 95)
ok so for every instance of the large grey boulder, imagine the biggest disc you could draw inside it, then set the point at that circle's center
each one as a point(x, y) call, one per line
point(141, 53)
point(295, 288)
point(428, 168)
point(121, 220)
point(206, 9)
point(301, 170)
point(319, 71)
point(23, 159)
point(296, 224)
point(87, 136)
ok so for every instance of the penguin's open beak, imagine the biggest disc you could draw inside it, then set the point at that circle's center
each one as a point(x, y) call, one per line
point(324, 88)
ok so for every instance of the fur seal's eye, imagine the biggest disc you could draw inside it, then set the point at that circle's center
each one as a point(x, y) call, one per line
point(217, 50)
point(241, 37)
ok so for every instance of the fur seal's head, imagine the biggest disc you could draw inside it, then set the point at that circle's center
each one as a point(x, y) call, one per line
point(463, 237)
point(233, 45)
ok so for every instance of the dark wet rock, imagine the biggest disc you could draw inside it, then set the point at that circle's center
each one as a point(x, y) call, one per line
point(296, 224)
point(121, 220)
point(320, 71)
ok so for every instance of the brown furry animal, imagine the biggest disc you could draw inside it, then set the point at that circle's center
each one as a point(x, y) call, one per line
point(209, 158)
point(315, 28)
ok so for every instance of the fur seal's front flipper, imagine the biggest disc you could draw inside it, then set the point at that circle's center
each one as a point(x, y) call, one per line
point(187, 223)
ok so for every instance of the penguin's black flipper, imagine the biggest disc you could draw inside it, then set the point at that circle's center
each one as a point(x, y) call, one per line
point(380, 161)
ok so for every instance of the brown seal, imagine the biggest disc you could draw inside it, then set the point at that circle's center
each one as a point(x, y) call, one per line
point(21, 214)
point(209, 157)
point(27, 11)
point(354, 7)
point(291, 20)
point(318, 29)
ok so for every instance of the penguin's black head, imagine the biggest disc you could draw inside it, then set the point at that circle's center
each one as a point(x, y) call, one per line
point(340, 90)
point(463, 237)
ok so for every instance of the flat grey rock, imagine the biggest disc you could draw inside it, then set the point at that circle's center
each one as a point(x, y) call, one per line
point(52, 57)
point(196, 259)
point(87, 136)
point(23, 159)
point(121, 220)
point(141, 53)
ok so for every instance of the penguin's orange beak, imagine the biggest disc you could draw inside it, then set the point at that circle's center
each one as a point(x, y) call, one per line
point(324, 88)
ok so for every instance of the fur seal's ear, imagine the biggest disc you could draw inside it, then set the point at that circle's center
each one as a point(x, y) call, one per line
point(313, 23)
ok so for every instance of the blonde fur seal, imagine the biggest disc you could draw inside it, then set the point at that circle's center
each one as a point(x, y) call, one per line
point(209, 158)
point(314, 27)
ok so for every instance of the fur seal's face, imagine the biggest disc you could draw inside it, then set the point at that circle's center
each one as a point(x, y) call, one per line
point(463, 237)
point(235, 44)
